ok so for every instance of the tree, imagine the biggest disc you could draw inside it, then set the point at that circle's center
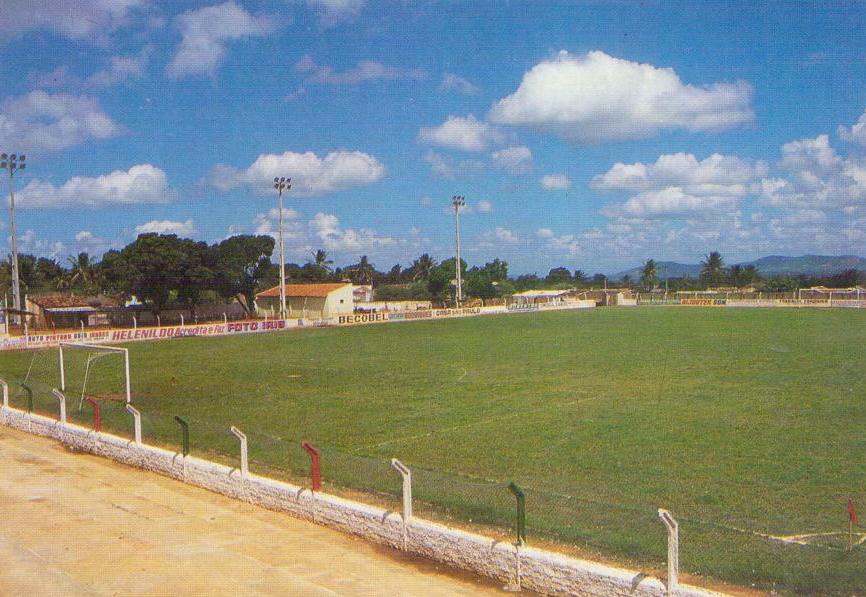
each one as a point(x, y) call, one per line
point(362, 272)
point(197, 273)
point(241, 264)
point(579, 277)
point(599, 280)
point(321, 261)
point(649, 275)
point(82, 272)
point(496, 270)
point(558, 275)
point(422, 267)
point(152, 267)
point(713, 269)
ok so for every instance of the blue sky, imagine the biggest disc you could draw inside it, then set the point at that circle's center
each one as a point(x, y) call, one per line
point(592, 135)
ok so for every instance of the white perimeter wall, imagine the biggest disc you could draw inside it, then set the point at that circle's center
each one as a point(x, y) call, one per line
point(539, 570)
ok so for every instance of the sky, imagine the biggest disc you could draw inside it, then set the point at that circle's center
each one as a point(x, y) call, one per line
point(592, 135)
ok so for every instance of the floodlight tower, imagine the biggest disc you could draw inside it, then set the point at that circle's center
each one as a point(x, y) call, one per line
point(13, 163)
point(458, 201)
point(282, 184)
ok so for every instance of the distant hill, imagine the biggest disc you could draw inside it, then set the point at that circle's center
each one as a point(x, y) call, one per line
point(774, 265)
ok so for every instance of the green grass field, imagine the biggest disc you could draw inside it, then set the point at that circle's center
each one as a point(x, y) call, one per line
point(742, 422)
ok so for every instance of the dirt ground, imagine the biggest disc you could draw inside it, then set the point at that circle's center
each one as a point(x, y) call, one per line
point(75, 524)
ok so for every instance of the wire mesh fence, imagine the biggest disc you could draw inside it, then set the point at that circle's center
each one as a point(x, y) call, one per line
point(588, 524)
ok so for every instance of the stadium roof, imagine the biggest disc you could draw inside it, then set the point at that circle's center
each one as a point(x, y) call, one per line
point(300, 290)
point(543, 293)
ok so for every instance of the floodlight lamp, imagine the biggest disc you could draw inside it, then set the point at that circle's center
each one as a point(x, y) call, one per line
point(3, 156)
point(22, 165)
point(276, 180)
point(22, 157)
point(12, 157)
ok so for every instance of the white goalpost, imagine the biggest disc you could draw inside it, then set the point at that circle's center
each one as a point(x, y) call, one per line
point(95, 352)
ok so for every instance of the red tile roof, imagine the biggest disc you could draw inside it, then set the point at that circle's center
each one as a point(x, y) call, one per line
point(54, 301)
point(298, 290)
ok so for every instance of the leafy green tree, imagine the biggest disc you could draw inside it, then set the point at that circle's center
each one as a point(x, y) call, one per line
point(198, 273)
point(579, 277)
point(241, 265)
point(599, 280)
point(649, 275)
point(152, 267)
point(558, 275)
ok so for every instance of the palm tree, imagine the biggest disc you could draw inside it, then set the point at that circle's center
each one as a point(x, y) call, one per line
point(321, 261)
point(649, 275)
point(364, 271)
point(81, 271)
point(713, 268)
point(422, 267)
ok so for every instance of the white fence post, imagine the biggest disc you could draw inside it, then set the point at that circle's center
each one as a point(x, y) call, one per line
point(5, 393)
point(243, 438)
point(673, 550)
point(406, 474)
point(136, 422)
point(62, 400)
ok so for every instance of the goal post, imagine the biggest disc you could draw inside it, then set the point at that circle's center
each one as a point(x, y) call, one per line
point(95, 352)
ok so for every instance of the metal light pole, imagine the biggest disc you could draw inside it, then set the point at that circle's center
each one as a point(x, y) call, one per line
point(457, 201)
point(12, 163)
point(282, 184)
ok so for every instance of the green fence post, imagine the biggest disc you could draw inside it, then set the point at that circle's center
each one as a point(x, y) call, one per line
point(521, 512)
point(29, 398)
point(184, 427)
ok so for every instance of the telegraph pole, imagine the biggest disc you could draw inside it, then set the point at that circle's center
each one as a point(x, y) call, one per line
point(13, 163)
point(457, 201)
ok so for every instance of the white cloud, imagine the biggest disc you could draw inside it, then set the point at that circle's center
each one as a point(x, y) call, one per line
point(80, 20)
point(445, 166)
point(185, 229)
point(669, 201)
point(310, 174)
point(555, 182)
point(28, 242)
point(715, 175)
point(544, 233)
point(119, 70)
point(484, 206)
point(205, 33)
point(42, 121)
point(452, 82)
point(596, 98)
point(87, 242)
point(364, 71)
point(465, 134)
point(327, 231)
point(816, 178)
point(143, 183)
point(514, 160)
point(268, 223)
point(334, 11)
point(856, 133)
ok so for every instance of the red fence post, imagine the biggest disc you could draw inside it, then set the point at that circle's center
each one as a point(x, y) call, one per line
point(315, 472)
point(97, 414)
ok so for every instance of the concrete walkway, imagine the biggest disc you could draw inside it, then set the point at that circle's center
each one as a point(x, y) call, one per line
point(75, 524)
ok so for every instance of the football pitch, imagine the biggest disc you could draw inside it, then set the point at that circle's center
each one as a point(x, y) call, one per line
point(749, 425)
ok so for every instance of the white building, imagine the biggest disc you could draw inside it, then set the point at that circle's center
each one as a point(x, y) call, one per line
point(316, 301)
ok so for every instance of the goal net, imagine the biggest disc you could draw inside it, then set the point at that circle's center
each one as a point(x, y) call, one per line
point(93, 371)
